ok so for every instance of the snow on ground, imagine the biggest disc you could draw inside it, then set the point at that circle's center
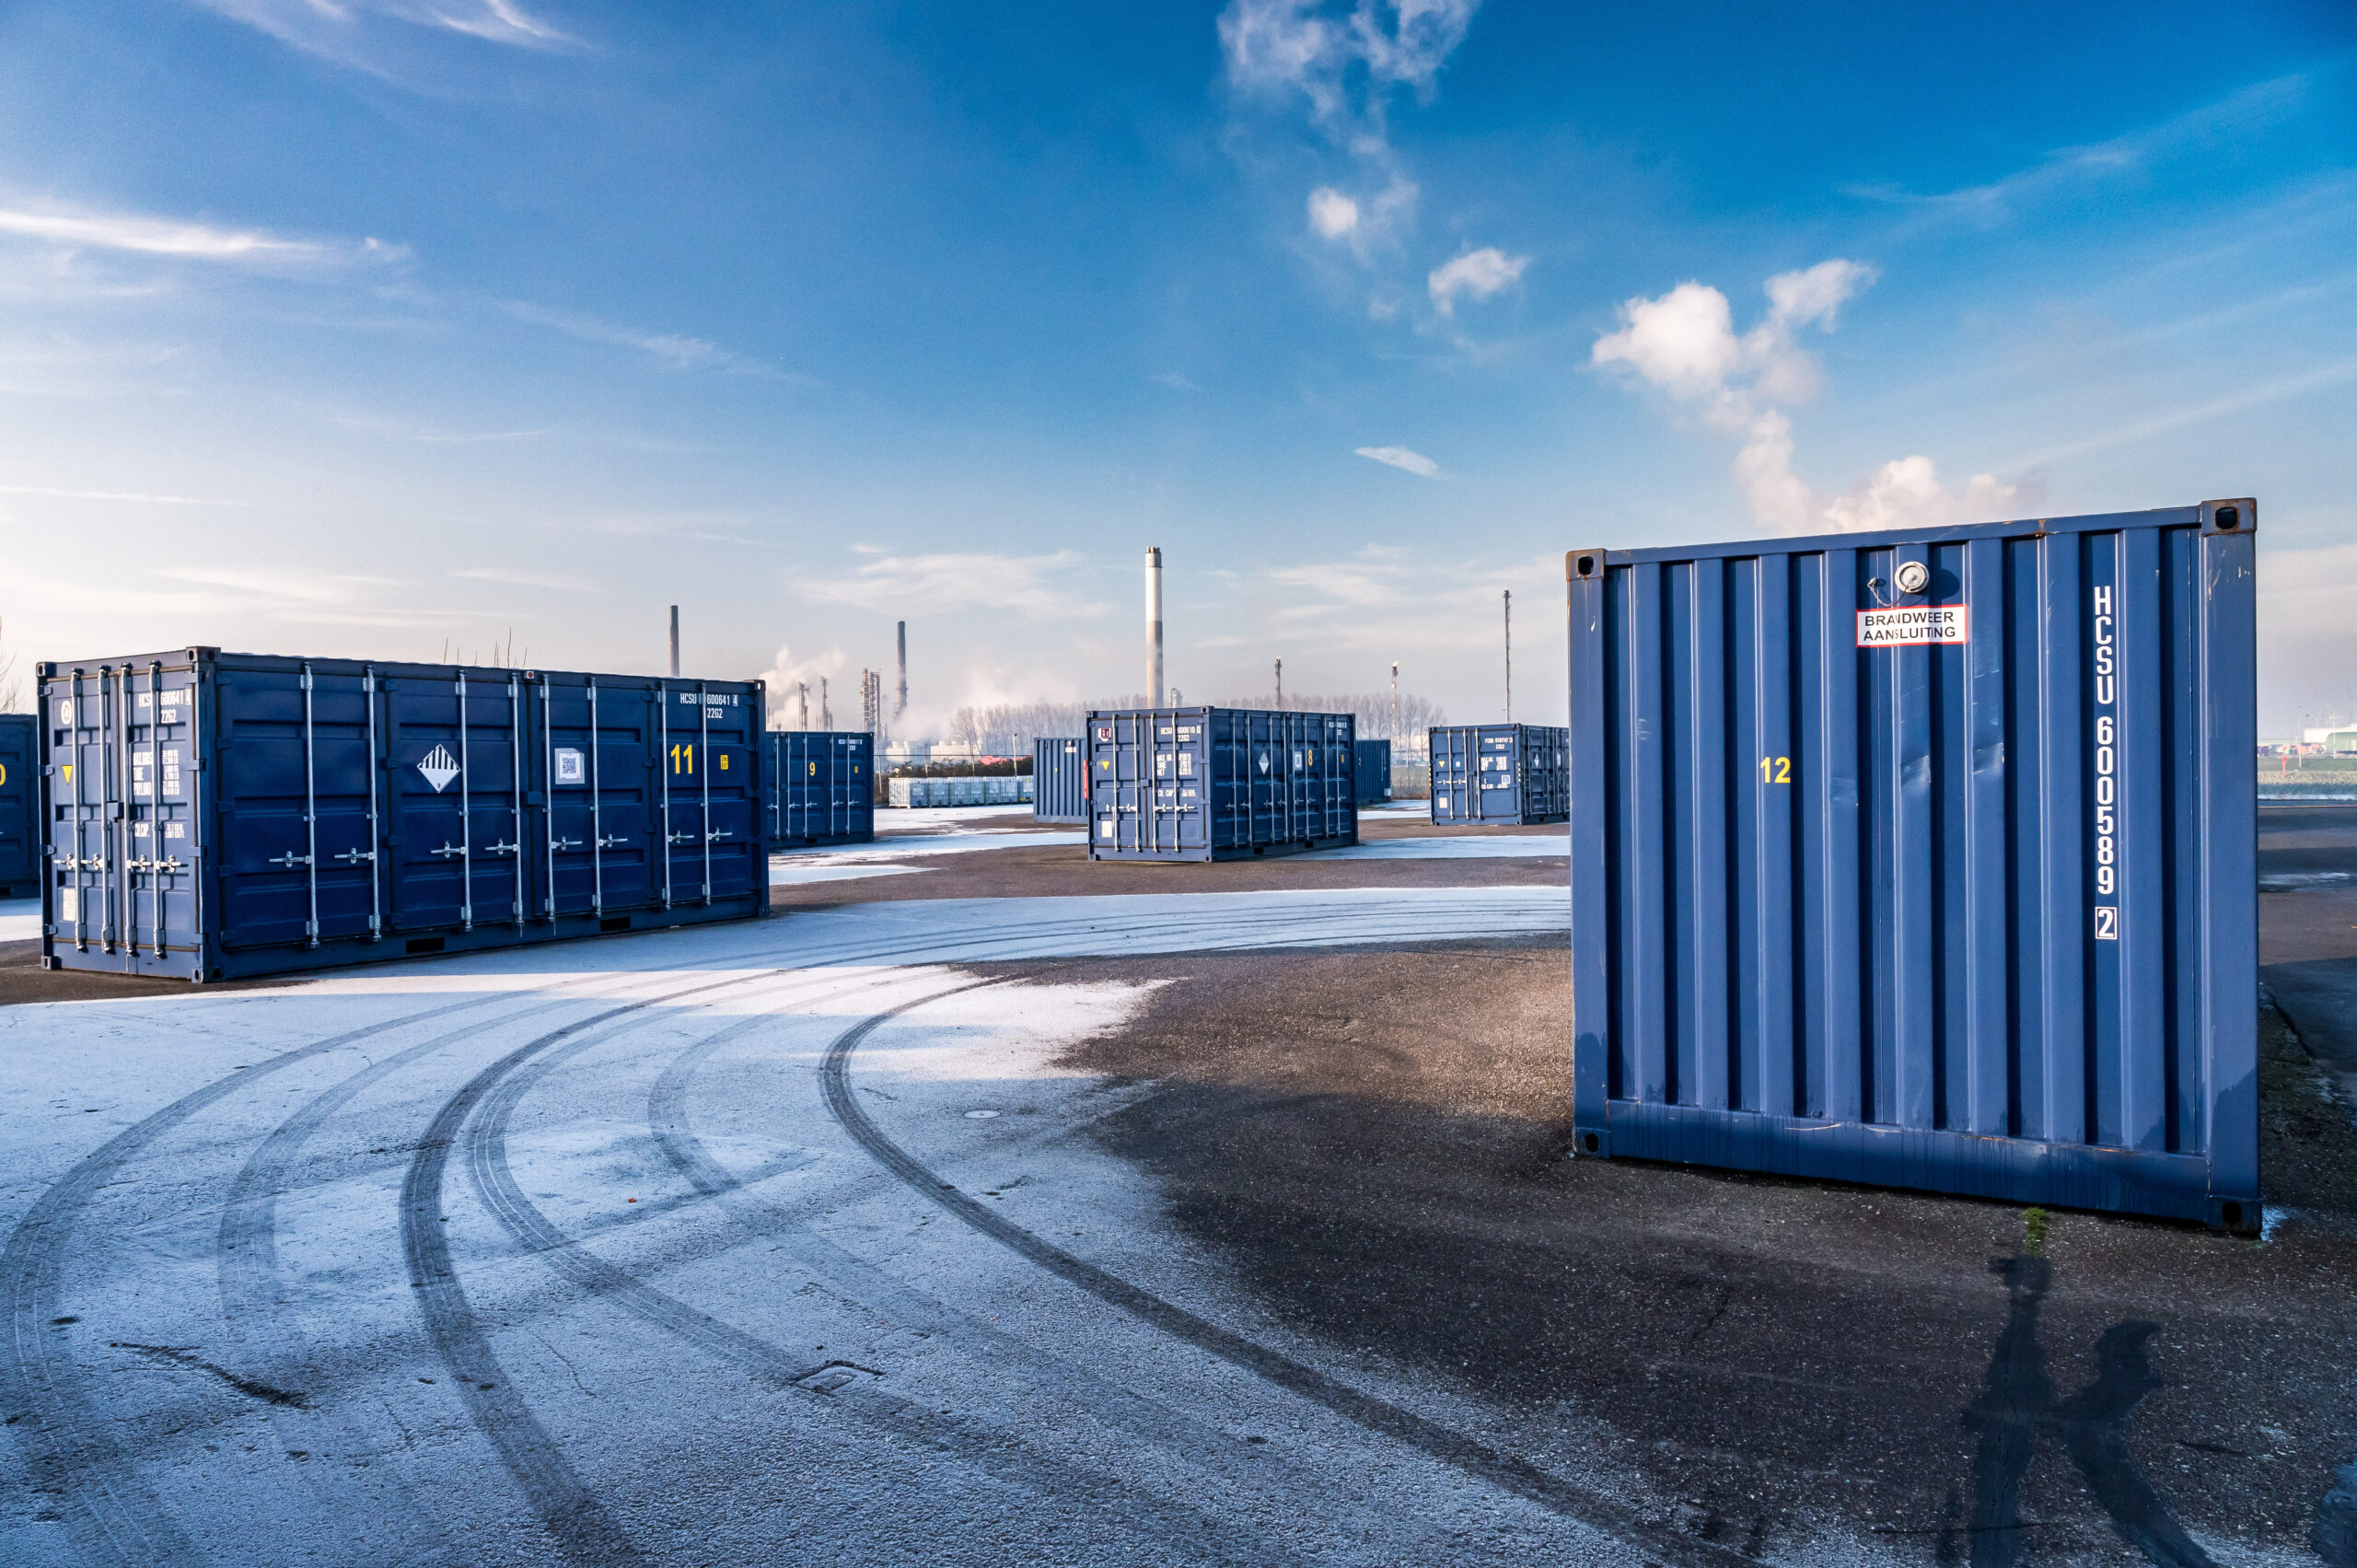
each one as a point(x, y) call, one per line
point(900, 846)
point(1453, 847)
point(511, 1256)
point(19, 919)
point(947, 819)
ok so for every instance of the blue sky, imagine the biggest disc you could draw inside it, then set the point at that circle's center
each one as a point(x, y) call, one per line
point(382, 327)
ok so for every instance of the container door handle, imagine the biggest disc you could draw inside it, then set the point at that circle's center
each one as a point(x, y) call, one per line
point(448, 848)
point(356, 856)
point(679, 838)
point(565, 843)
point(290, 860)
point(718, 834)
point(609, 844)
point(504, 849)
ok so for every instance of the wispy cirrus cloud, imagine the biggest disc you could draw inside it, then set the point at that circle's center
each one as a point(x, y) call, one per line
point(1401, 457)
point(1038, 586)
point(187, 239)
point(674, 349)
point(1347, 63)
point(435, 435)
point(115, 496)
point(2092, 164)
point(342, 31)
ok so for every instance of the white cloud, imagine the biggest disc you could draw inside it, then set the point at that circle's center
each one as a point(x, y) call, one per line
point(1331, 213)
point(181, 239)
point(674, 349)
point(1477, 274)
point(340, 30)
point(115, 496)
point(1906, 493)
point(1401, 458)
point(1176, 380)
point(1685, 342)
point(1275, 45)
point(1346, 63)
point(1038, 586)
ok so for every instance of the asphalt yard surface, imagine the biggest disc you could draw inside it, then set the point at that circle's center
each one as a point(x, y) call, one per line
point(993, 1206)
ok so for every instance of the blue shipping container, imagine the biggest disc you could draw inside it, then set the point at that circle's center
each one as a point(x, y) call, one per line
point(19, 806)
point(1059, 779)
point(1370, 772)
point(1501, 774)
point(1218, 783)
point(821, 787)
point(213, 815)
point(1926, 859)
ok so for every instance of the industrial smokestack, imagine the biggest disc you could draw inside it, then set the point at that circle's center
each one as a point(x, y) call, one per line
point(1154, 626)
point(675, 639)
point(903, 705)
point(1509, 593)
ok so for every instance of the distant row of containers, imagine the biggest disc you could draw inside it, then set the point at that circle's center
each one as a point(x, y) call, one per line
point(1491, 775)
point(208, 815)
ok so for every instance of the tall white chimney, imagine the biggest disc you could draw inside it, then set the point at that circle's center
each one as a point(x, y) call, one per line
point(1154, 626)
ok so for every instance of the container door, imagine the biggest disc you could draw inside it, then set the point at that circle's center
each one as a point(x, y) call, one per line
point(297, 802)
point(857, 814)
point(263, 800)
point(494, 796)
point(74, 716)
point(346, 806)
point(594, 848)
point(1449, 775)
point(722, 775)
point(1497, 791)
point(430, 784)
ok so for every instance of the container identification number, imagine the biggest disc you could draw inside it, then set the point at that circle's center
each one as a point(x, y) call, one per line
point(2107, 767)
point(1776, 770)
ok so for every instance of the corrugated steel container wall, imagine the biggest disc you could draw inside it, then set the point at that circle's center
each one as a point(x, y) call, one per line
point(1218, 783)
point(1926, 859)
point(1501, 774)
point(19, 806)
point(822, 787)
point(211, 815)
point(1370, 771)
point(1059, 779)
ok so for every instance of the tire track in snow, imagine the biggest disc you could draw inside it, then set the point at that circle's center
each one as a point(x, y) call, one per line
point(109, 1512)
point(998, 1452)
point(1581, 1504)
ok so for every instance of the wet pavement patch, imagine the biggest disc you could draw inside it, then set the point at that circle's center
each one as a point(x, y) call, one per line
point(1371, 1145)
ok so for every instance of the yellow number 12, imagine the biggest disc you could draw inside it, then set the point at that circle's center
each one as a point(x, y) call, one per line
point(1776, 770)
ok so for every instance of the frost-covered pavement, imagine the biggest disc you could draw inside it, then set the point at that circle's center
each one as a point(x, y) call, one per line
point(768, 1242)
point(19, 919)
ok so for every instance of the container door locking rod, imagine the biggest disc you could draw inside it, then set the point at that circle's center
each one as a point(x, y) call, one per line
point(375, 888)
point(466, 819)
point(310, 817)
